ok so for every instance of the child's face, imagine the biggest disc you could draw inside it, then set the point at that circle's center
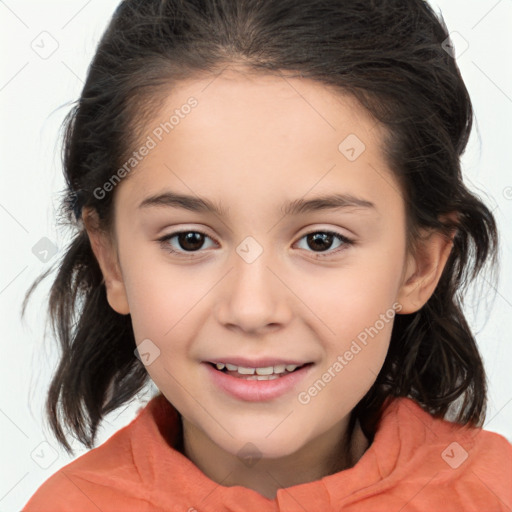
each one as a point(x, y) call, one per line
point(257, 287)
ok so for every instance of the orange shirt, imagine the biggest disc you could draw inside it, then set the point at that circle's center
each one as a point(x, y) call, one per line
point(415, 463)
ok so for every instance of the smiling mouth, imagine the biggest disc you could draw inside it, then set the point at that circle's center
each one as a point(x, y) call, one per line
point(266, 373)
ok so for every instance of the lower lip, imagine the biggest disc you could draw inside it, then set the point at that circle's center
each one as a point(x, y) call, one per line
point(257, 390)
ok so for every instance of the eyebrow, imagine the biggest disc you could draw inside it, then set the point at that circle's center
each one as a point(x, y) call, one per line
point(299, 206)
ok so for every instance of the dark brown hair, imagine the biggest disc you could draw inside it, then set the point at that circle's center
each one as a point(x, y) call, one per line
point(389, 55)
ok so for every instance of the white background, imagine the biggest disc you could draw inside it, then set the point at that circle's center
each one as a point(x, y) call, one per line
point(35, 95)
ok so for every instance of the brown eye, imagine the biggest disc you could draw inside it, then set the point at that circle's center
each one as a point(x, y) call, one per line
point(321, 241)
point(187, 242)
point(190, 241)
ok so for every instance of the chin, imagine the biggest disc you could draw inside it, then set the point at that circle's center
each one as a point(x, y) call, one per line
point(258, 446)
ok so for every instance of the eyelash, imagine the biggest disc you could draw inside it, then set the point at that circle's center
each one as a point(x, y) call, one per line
point(347, 242)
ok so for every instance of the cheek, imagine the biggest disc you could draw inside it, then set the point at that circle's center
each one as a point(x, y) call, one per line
point(348, 300)
point(357, 321)
point(168, 309)
point(159, 293)
point(163, 310)
point(353, 310)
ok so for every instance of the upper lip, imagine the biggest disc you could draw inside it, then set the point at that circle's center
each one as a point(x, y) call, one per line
point(263, 362)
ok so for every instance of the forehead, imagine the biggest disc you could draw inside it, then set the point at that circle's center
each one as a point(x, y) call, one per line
point(255, 134)
point(281, 112)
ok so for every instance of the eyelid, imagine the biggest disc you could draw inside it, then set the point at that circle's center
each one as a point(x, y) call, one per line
point(346, 242)
point(165, 238)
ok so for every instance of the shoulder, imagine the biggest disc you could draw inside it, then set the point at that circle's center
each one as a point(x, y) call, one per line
point(482, 447)
point(102, 476)
point(470, 465)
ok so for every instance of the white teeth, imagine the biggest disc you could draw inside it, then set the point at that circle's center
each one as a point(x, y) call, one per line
point(262, 377)
point(246, 371)
point(268, 370)
point(265, 371)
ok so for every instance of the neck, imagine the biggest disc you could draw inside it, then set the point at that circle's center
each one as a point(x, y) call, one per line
point(338, 449)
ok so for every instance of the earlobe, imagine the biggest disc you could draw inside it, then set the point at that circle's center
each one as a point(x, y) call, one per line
point(423, 271)
point(107, 258)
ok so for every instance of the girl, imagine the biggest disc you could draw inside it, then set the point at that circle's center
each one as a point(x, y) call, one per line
point(271, 225)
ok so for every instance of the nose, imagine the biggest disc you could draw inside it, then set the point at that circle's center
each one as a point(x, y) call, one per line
point(254, 297)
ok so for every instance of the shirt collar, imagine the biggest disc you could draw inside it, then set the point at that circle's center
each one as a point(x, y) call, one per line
point(404, 426)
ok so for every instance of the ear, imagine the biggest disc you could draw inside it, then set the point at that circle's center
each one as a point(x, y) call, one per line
point(424, 268)
point(106, 253)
